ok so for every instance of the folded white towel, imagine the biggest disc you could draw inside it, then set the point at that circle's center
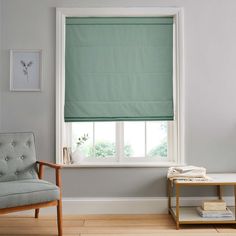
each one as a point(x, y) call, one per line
point(186, 172)
point(182, 169)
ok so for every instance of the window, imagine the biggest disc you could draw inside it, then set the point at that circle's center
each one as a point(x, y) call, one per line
point(129, 141)
point(140, 129)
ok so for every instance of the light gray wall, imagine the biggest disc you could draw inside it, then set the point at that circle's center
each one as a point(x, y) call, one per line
point(0, 60)
point(210, 88)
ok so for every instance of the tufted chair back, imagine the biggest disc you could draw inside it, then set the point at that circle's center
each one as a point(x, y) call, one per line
point(17, 157)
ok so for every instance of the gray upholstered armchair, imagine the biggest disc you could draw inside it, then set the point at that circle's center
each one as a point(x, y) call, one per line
point(21, 184)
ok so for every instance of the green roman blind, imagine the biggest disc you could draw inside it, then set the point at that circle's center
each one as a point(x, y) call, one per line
point(118, 69)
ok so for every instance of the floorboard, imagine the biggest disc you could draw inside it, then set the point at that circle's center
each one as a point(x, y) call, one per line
point(107, 225)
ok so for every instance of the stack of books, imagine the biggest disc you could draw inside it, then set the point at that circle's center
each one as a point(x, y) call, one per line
point(214, 205)
point(214, 209)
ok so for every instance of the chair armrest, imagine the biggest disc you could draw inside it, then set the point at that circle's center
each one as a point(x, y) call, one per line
point(51, 165)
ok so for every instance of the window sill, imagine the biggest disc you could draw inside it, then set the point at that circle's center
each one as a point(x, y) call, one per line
point(117, 165)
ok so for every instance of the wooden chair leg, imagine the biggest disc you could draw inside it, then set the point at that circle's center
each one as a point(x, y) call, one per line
point(59, 217)
point(36, 215)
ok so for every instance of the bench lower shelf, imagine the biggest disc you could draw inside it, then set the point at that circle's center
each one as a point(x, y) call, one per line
point(189, 215)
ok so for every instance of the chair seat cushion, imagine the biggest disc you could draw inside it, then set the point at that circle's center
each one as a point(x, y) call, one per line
point(27, 192)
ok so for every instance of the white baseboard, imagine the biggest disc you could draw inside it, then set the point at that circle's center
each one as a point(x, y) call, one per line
point(139, 205)
point(118, 205)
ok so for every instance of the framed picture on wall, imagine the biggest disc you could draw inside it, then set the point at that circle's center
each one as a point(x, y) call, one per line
point(25, 70)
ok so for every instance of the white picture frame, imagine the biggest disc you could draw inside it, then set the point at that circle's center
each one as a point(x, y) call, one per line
point(26, 70)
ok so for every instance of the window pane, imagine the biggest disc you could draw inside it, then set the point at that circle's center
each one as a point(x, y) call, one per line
point(134, 139)
point(156, 138)
point(105, 139)
point(82, 137)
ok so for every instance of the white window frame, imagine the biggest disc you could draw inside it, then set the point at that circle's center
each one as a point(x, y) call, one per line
point(176, 132)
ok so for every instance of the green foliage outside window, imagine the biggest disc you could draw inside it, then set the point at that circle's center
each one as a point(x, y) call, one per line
point(160, 150)
point(106, 149)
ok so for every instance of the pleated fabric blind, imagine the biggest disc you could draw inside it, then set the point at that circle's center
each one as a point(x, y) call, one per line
point(118, 69)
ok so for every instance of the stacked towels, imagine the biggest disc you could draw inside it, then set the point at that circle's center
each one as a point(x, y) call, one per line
point(187, 172)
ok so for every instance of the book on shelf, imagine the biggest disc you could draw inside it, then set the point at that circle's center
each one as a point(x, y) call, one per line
point(214, 214)
point(214, 205)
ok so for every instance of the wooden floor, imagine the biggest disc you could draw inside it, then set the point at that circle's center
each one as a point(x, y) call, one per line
point(116, 225)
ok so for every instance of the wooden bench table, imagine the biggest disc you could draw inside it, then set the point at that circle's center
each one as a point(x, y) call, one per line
point(189, 215)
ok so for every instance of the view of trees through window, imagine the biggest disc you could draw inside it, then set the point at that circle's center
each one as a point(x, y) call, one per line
point(139, 139)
